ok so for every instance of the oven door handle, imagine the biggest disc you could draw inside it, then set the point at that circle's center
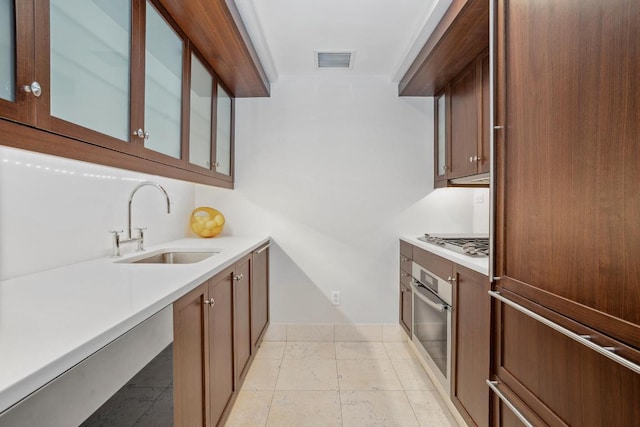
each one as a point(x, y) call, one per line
point(439, 307)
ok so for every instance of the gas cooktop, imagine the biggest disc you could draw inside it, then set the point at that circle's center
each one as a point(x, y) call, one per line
point(471, 246)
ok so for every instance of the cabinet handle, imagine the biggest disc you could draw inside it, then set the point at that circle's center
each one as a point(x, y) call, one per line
point(493, 385)
point(210, 302)
point(33, 88)
point(451, 279)
point(141, 133)
point(216, 164)
point(404, 259)
point(608, 352)
point(238, 277)
point(264, 248)
point(477, 158)
point(403, 274)
point(471, 159)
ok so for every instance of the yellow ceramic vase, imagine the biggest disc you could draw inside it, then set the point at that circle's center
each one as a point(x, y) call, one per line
point(206, 222)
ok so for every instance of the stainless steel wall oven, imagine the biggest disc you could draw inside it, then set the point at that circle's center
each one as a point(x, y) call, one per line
point(432, 316)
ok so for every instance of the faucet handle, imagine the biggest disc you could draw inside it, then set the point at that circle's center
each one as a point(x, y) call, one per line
point(141, 230)
point(116, 242)
point(141, 238)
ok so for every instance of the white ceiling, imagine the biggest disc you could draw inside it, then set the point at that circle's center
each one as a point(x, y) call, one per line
point(386, 34)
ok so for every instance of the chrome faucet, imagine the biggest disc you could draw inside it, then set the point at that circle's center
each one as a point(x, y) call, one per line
point(117, 242)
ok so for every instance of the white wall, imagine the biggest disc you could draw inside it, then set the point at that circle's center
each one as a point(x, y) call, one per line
point(335, 169)
point(56, 211)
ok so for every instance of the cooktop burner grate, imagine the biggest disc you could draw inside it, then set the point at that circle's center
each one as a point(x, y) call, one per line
point(472, 246)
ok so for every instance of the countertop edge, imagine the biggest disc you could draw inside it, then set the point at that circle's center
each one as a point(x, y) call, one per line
point(480, 265)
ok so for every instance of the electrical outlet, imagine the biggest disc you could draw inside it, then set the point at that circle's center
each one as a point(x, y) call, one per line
point(335, 297)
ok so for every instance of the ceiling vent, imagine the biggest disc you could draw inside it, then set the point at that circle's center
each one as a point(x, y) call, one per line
point(336, 60)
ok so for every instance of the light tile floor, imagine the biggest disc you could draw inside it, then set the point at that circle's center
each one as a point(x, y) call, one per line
point(348, 384)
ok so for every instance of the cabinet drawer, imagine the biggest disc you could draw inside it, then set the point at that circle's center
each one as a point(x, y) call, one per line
point(562, 380)
point(406, 249)
point(439, 266)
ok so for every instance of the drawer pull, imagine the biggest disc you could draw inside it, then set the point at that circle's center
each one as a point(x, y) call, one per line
point(404, 259)
point(264, 248)
point(493, 385)
point(605, 351)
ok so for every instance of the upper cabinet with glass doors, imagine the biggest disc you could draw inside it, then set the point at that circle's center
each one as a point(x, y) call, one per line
point(16, 61)
point(118, 74)
point(224, 133)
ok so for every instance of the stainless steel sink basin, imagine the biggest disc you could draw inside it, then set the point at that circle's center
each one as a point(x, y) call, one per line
point(171, 257)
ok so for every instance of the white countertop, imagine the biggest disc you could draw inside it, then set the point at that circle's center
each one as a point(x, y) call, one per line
point(51, 321)
point(481, 265)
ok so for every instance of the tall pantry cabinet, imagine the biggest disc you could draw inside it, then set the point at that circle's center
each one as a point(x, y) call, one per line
point(567, 235)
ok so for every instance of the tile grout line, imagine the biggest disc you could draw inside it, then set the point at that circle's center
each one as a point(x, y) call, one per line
point(273, 393)
point(335, 349)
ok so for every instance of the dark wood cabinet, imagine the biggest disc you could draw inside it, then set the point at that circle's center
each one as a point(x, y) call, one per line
point(442, 138)
point(568, 175)
point(464, 123)
point(259, 295)
point(471, 345)
point(221, 381)
point(462, 138)
point(406, 303)
point(405, 310)
point(561, 380)
point(213, 343)
point(134, 104)
point(18, 57)
point(203, 335)
point(242, 316)
point(190, 361)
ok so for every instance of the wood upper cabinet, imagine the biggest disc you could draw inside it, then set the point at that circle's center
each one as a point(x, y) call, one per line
point(441, 141)
point(117, 76)
point(471, 345)
point(464, 124)
point(568, 234)
point(259, 295)
point(560, 380)
point(16, 60)
point(242, 316)
point(462, 138)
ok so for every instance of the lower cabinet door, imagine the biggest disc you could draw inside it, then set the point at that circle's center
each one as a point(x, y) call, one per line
point(563, 381)
point(220, 379)
point(190, 329)
point(242, 316)
point(259, 295)
point(406, 307)
point(472, 329)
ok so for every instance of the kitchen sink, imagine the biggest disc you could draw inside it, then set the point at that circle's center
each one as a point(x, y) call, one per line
point(171, 257)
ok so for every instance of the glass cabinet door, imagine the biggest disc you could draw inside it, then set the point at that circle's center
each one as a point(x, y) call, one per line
point(200, 114)
point(7, 51)
point(90, 64)
point(441, 138)
point(16, 61)
point(162, 85)
point(224, 132)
